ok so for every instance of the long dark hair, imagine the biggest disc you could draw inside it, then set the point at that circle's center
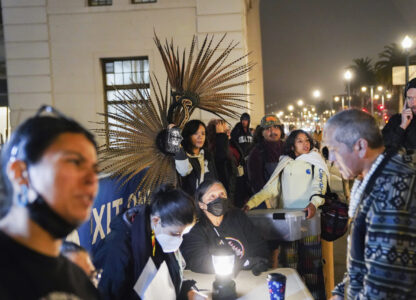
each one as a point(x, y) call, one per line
point(210, 135)
point(289, 148)
point(189, 129)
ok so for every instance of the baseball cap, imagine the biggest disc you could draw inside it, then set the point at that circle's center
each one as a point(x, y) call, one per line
point(269, 120)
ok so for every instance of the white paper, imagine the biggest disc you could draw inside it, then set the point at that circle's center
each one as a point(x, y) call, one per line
point(161, 286)
point(145, 278)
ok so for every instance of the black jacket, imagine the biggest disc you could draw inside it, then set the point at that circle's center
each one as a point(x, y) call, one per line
point(244, 139)
point(225, 164)
point(261, 163)
point(124, 253)
point(236, 230)
point(192, 180)
point(396, 137)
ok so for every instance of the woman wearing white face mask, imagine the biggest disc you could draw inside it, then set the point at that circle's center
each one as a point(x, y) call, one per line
point(146, 231)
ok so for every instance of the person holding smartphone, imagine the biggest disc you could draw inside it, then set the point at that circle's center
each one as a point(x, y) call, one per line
point(400, 132)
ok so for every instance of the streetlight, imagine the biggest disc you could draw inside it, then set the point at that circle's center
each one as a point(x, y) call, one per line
point(407, 44)
point(290, 107)
point(316, 94)
point(348, 77)
point(300, 102)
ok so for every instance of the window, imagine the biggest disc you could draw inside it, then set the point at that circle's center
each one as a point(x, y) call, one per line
point(125, 75)
point(142, 1)
point(99, 2)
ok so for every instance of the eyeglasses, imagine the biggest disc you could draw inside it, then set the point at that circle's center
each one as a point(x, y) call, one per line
point(410, 99)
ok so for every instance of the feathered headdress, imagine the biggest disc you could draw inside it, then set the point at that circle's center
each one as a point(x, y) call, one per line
point(202, 81)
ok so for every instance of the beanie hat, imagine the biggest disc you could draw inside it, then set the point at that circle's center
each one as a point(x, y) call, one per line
point(410, 85)
point(269, 120)
point(245, 116)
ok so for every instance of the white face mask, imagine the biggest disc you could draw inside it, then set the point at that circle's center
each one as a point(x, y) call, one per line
point(167, 242)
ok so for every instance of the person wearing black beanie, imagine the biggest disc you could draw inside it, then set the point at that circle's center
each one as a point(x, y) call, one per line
point(241, 134)
point(400, 132)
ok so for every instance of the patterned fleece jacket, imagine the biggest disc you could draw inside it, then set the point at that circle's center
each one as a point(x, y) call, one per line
point(381, 262)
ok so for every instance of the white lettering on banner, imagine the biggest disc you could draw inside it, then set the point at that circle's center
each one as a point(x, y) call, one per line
point(117, 203)
point(108, 217)
point(132, 200)
point(98, 227)
point(107, 209)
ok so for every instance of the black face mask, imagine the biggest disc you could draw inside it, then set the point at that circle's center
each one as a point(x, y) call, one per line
point(218, 207)
point(45, 217)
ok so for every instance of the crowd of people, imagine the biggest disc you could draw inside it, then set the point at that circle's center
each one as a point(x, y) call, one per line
point(49, 176)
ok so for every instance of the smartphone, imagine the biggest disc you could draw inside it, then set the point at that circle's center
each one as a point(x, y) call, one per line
point(406, 107)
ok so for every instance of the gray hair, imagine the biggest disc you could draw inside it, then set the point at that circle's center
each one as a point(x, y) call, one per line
point(353, 124)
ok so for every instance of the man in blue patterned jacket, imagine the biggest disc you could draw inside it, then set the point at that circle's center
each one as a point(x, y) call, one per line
point(381, 260)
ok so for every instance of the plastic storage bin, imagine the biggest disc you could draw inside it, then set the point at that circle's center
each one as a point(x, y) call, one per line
point(285, 224)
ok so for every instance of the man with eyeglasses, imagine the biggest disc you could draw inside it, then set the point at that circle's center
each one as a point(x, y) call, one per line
point(400, 132)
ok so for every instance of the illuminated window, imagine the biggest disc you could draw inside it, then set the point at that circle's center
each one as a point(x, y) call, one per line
point(128, 76)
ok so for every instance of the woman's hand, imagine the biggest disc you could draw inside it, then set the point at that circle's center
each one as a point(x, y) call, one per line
point(311, 209)
point(220, 127)
point(245, 208)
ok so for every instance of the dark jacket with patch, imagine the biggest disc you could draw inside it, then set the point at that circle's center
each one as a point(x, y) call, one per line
point(236, 231)
point(243, 138)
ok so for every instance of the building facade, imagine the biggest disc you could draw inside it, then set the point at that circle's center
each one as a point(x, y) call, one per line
point(70, 54)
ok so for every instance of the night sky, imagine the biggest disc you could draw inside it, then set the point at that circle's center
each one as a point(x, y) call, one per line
point(308, 44)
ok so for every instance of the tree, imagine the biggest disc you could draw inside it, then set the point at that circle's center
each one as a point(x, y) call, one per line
point(392, 55)
point(364, 74)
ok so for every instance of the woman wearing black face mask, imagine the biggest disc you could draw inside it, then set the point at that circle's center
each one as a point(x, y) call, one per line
point(221, 225)
point(49, 168)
